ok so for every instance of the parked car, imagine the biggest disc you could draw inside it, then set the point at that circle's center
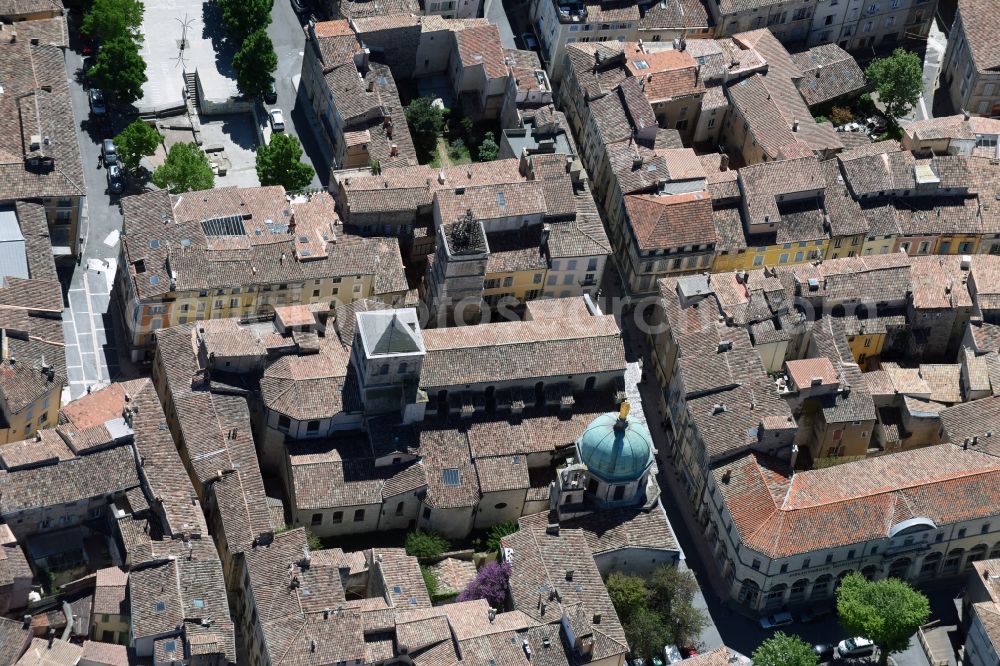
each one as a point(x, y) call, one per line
point(671, 654)
point(97, 104)
point(277, 119)
point(824, 652)
point(656, 661)
point(271, 96)
point(299, 6)
point(530, 42)
point(777, 620)
point(638, 661)
point(116, 179)
point(689, 651)
point(109, 154)
point(815, 613)
point(855, 647)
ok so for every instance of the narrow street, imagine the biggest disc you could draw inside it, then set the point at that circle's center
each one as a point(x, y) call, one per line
point(89, 318)
point(288, 37)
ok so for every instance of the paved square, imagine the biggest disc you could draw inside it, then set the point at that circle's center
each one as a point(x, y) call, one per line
point(165, 24)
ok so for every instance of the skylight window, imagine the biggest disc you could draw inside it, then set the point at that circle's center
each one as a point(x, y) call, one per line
point(396, 589)
point(198, 603)
point(501, 200)
point(160, 606)
point(641, 64)
point(450, 476)
point(154, 244)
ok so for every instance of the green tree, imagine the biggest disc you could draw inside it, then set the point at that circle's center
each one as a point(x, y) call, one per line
point(628, 594)
point(278, 163)
point(255, 63)
point(784, 650)
point(244, 17)
point(646, 633)
point(488, 148)
point(426, 122)
point(120, 70)
point(108, 19)
point(672, 592)
point(185, 169)
point(426, 544)
point(136, 141)
point(498, 532)
point(430, 580)
point(898, 80)
point(886, 612)
point(313, 540)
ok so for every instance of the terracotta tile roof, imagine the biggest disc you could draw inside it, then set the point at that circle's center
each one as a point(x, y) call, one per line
point(311, 387)
point(489, 202)
point(330, 474)
point(762, 184)
point(828, 72)
point(452, 574)
point(102, 473)
point(541, 559)
point(481, 46)
point(367, 9)
point(981, 25)
point(803, 371)
point(452, 481)
point(532, 433)
point(109, 592)
point(59, 653)
point(599, 66)
point(263, 253)
point(675, 14)
point(404, 584)
point(670, 221)
point(36, 102)
point(502, 473)
point(518, 350)
point(938, 282)
point(618, 529)
point(45, 448)
point(781, 515)
point(667, 74)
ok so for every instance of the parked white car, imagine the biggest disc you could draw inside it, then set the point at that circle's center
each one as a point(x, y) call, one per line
point(277, 119)
point(855, 647)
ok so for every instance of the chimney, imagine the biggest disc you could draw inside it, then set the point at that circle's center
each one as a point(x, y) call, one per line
point(441, 177)
point(795, 125)
point(597, 618)
point(26, 622)
point(52, 636)
point(724, 162)
point(491, 614)
point(552, 529)
point(569, 574)
point(394, 150)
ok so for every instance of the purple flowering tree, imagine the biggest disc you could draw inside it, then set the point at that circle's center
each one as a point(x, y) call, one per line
point(490, 583)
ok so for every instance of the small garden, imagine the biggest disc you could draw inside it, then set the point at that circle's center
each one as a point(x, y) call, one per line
point(443, 138)
point(490, 581)
point(657, 611)
point(896, 83)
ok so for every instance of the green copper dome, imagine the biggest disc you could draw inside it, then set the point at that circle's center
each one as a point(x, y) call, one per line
point(616, 449)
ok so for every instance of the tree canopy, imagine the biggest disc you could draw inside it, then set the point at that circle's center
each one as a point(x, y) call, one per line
point(255, 63)
point(784, 650)
point(898, 79)
point(628, 594)
point(120, 70)
point(136, 141)
point(108, 19)
point(278, 163)
point(646, 633)
point(426, 123)
point(488, 148)
point(887, 612)
point(662, 608)
point(244, 17)
point(186, 169)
